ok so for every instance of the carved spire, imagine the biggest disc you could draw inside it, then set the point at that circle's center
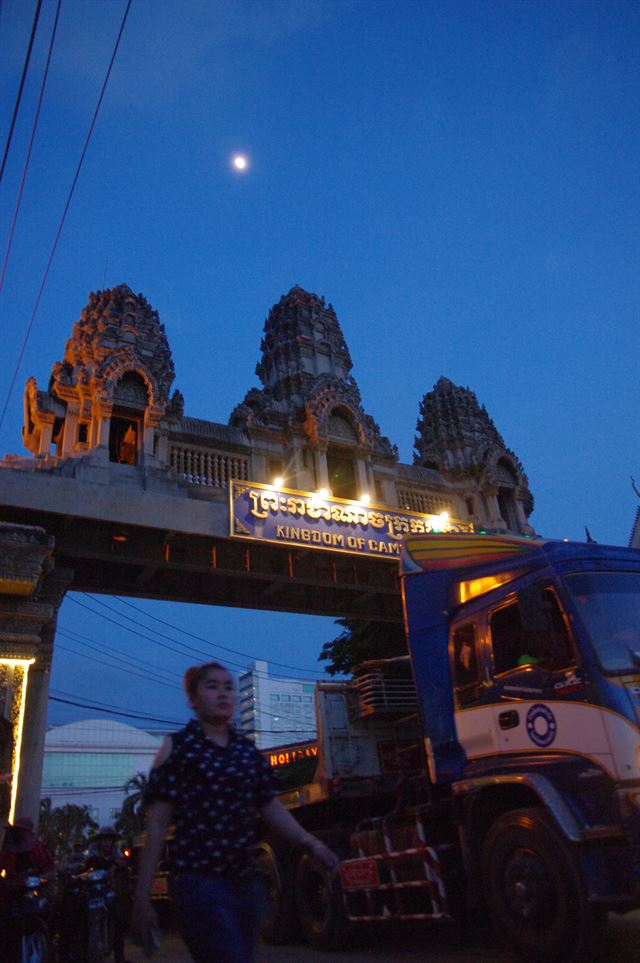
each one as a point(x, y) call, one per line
point(454, 429)
point(118, 332)
point(306, 372)
point(457, 436)
point(302, 340)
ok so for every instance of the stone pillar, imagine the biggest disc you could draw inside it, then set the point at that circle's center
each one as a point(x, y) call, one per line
point(322, 472)
point(31, 591)
point(495, 520)
point(363, 483)
point(46, 432)
point(70, 430)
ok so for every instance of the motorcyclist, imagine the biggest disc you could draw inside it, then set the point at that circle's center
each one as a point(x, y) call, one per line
point(22, 853)
point(105, 854)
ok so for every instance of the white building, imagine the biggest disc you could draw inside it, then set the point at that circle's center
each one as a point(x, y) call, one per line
point(274, 711)
point(90, 762)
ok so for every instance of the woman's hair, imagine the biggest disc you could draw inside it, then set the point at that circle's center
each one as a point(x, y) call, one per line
point(196, 673)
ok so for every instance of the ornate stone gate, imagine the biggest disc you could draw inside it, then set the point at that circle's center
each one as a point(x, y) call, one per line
point(121, 492)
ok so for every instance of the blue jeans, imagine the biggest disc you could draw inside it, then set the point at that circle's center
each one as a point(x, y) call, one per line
point(219, 919)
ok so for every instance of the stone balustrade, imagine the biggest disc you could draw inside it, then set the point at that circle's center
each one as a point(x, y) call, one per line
point(202, 466)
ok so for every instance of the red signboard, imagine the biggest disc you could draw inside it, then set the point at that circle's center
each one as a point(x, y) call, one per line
point(359, 874)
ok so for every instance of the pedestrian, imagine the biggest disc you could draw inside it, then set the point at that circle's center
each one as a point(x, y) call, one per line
point(213, 785)
point(104, 853)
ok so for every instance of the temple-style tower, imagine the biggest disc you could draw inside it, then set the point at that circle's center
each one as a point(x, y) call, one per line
point(457, 438)
point(111, 389)
point(311, 400)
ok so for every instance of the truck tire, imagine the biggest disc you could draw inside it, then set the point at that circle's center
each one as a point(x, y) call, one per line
point(534, 895)
point(319, 906)
point(35, 946)
point(278, 920)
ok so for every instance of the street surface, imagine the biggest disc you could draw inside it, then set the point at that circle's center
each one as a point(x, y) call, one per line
point(412, 944)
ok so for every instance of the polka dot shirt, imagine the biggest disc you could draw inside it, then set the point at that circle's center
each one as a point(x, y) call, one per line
point(217, 794)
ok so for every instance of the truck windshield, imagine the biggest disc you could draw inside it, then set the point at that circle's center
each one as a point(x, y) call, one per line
point(608, 604)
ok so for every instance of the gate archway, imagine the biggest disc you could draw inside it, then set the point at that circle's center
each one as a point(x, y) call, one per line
point(123, 493)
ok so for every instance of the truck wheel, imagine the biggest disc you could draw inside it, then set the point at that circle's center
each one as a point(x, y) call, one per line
point(34, 944)
point(534, 896)
point(319, 906)
point(278, 920)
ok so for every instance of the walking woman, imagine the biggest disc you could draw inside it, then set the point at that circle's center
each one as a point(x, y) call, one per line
point(213, 785)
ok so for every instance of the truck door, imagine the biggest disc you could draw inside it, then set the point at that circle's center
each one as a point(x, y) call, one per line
point(475, 724)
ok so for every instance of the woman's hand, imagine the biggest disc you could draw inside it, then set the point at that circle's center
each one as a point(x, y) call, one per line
point(316, 848)
point(143, 925)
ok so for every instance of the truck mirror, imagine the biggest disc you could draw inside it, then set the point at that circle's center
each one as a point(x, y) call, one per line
point(533, 609)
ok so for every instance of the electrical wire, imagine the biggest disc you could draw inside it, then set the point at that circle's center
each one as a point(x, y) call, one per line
point(25, 68)
point(184, 648)
point(150, 671)
point(111, 665)
point(115, 711)
point(63, 218)
point(282, 714)
point(136, 608)
point(30, 148)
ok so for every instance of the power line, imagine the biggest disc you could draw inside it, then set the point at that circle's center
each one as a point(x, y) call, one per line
point(184, 648)
point(115, 711)
point(246, 655)
point(30, 148)
point(112, 665)
point(150, 672)
point(64, 216)
point(282, 714)
point(21, 87)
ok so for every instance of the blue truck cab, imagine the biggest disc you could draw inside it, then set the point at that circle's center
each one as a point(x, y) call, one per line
point(526, 659)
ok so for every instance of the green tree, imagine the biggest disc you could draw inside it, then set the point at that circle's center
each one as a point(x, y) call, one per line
point(361, 640)
point(130, 821)
point(59, 828)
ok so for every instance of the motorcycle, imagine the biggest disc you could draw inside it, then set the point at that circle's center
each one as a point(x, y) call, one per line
point(25, 917)
point(84, 915)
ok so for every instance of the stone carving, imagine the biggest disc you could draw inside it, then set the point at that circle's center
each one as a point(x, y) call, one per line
point(456, 434)
point(108, 402)
point(118, 352)
point(305, 369)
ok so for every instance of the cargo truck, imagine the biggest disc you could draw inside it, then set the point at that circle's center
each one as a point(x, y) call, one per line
point(495, 768)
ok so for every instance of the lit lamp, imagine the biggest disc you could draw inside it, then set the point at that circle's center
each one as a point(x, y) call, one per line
point(13, 678)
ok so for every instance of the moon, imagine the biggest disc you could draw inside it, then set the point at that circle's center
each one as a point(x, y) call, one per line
point(240, 162)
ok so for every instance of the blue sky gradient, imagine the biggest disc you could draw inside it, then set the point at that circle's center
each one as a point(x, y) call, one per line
point(459, 179)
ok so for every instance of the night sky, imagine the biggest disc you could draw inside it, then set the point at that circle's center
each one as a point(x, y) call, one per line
point(459, 179)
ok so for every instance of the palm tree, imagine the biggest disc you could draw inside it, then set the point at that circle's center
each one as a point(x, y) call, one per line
point(130, 822)
point(59, 828)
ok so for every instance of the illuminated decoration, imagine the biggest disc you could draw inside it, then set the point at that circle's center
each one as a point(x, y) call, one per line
point(305, 519)
point(461, 550)
point(13, 688)
point(474, 587)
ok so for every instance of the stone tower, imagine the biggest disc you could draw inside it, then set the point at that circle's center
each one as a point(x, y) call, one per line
point(311, 399)
point(111, 388)
point(457, 438)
